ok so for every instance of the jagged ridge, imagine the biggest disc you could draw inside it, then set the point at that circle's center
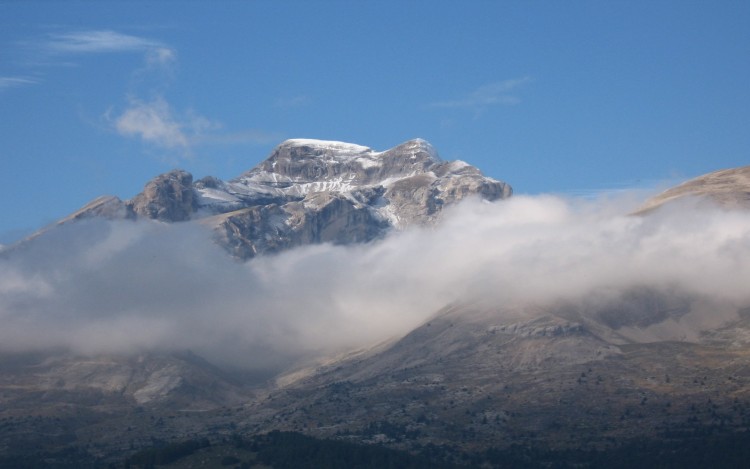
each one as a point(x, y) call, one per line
point(310, 191)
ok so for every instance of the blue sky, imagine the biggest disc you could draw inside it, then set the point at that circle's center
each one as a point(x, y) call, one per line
point(562, 97)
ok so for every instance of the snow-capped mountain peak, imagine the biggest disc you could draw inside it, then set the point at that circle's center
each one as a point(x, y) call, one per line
point(311, 191)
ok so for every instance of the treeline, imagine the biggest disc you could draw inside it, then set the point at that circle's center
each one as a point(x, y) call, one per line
point(290, 450)
point(701, 450)
point(286, 450)
point(33, 458)
point(166, 454)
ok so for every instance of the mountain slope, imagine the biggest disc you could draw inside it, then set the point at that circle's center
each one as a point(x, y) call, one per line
point(728, 188)
point(474, 378)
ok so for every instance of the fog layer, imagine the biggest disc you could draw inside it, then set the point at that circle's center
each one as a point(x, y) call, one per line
point(100, 286)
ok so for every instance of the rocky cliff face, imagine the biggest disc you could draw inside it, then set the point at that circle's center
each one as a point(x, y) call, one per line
point(310, 191)
point(168, 197)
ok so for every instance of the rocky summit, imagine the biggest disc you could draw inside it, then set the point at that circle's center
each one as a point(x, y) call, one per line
point(307, 192)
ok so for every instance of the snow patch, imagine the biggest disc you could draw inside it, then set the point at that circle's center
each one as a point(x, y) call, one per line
point(458, 164)
point(419, 144)
point(328, 145)
point(369, 162)
point(387, 212)
point(217, 195)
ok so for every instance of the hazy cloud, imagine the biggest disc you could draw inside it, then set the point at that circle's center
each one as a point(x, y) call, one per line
point(492, 94)
point(10, 82)
point(161, 56)
point(155, 122)
point(101, 286)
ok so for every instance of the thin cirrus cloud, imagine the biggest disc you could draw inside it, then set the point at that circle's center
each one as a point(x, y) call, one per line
point(105, 41)
point(498, 93)
point(10, 82)
point(60, 50)
point(83, 42)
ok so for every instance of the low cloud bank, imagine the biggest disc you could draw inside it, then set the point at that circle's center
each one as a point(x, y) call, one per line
point(100, 286)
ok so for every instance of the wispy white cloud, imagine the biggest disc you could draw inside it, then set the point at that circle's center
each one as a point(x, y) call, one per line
point(492, 94)
point(152, 122)
point(101, 42)
point(157, 54)
point(146, 114)
point(10, 82)
point(161, 56)
point(156, 123)
point(61, 49)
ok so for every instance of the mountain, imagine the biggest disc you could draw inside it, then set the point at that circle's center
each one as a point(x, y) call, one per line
point(475, 377)
point(621, 368)
point(651, 365)
point(308, 192)
point(305, 192)
point(728, 188)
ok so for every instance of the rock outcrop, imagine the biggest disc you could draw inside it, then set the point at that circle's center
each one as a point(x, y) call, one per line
point(168, 197)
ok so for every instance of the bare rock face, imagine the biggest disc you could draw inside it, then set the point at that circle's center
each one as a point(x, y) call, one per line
point(310, 191)
point(728, 188)
point(317, 191)
point(325, 217)
point(168, 197)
